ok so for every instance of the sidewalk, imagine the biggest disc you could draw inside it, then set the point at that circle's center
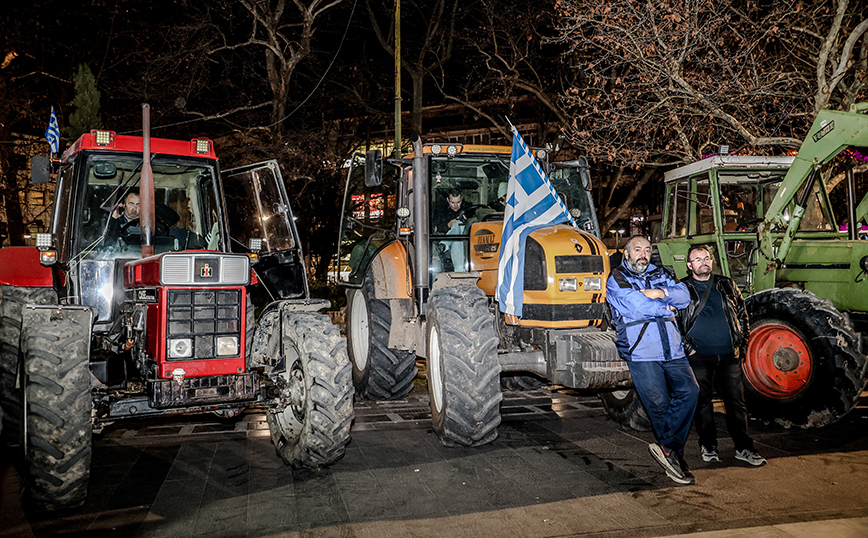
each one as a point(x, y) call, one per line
point(830, 528)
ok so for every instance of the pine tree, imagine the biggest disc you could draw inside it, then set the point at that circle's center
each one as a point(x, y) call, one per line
point(86, 103)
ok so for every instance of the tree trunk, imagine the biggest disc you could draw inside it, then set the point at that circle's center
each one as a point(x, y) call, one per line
point(616, 214)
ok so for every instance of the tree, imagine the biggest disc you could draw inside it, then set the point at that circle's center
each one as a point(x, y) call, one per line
point(86, 115)
point(428, 35)
point(668, 81)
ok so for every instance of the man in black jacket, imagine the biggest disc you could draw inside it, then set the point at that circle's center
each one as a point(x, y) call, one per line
point(715, 329)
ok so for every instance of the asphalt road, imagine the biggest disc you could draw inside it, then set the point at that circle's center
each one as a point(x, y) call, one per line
point(558, 468)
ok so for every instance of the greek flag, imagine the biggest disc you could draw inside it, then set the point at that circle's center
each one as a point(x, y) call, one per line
point(531, 203)
point(53, 133)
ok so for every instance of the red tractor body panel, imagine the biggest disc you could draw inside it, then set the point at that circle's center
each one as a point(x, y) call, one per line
point(19, 266)
point(134, 144)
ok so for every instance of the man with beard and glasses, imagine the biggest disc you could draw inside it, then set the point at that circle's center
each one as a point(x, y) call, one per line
point(644, 299)
point(715, 328)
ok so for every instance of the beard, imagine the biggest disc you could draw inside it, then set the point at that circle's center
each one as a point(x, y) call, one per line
point(703, 271)
point(637, 266)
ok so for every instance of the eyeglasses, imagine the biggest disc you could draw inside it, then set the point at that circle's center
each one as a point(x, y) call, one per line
point(697, 260)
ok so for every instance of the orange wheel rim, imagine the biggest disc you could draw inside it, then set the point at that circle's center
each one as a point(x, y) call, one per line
point(778, 362)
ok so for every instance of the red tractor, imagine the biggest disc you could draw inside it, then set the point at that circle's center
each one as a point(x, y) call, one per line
point(138, 302)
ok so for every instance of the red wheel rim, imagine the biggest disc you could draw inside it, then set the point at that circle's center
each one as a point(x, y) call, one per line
point(778, 362)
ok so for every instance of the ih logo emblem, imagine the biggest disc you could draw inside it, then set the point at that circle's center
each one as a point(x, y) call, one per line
point(206, 271)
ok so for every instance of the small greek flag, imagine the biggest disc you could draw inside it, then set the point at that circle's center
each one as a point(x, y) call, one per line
point(531, 203)
point(52, 134)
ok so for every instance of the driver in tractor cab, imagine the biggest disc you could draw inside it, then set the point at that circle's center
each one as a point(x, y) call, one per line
point(451, 220)
point(124, 218)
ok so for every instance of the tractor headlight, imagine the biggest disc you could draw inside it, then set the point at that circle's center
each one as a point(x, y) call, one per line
point(567, 284)
point(180, 348)
point(227, 345)
point(593, 283)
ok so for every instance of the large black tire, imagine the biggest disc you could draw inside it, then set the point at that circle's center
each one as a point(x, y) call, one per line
point(462, 368)
point(379, 373)
point(803, 366)
point(314, 429)
point(12, 300)
point(625, 408)
point(58, 409)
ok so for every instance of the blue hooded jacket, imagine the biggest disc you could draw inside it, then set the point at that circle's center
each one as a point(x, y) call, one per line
point(646, 328)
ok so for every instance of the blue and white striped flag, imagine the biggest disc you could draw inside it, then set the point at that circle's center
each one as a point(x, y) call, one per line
point(531, 203)
point(53, 133)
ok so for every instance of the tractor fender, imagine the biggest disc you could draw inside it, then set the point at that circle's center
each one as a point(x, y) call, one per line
point(20, 267)
point(264, 352)
point(391, 272)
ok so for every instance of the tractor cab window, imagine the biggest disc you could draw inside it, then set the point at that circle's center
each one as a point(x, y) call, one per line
point(817, 216)
point(464, 190)
point(185, 207)
point(739, 202)
point(573, 185)
point(368, 222)
point(257, 208)
point(678, 195)
point(703, 212)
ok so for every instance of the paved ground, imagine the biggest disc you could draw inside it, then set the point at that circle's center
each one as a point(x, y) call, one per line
point(559, 468)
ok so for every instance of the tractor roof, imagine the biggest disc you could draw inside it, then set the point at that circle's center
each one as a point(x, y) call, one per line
point(732, 162)
point(109, 140)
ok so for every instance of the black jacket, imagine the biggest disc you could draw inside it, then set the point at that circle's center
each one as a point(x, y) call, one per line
point(733, 307)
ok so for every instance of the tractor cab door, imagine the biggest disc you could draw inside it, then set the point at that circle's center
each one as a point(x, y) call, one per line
point(572, 181)
point(257, 207)
point(368, 221)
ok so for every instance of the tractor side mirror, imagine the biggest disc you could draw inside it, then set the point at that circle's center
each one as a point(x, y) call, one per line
point(373, 168)
point(40, 169)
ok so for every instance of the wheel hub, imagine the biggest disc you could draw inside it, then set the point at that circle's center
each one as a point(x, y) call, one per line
point(778, 363)
point(297, 392)
point(785, 359)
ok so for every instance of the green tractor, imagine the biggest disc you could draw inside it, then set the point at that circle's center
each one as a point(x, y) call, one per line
point(770, 223)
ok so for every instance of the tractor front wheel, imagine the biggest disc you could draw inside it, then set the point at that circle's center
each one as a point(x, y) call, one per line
point(462, 368)
point(803, 366)
point(624, 407)
point(12, 301)
point(57, 408)
point(313, 429)
point(379, 372)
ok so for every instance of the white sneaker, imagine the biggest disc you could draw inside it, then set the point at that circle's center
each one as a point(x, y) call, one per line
point(709, 455)
point(750, 457)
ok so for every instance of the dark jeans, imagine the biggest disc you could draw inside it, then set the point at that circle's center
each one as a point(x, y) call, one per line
point(723, 372)
point(668, 391)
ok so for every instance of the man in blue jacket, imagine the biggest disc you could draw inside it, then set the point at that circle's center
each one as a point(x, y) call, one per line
point(644, 299)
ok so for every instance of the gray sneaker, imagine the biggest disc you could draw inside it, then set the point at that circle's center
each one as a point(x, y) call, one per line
point(709, 454)
point(750, 457)
point(669, 461)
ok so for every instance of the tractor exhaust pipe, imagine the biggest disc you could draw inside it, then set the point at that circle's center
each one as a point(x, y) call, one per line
point(420, 217)
point(146, 192)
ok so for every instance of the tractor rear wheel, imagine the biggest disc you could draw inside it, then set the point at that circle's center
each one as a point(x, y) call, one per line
point(462, 368)
point(313, 430)
point(12, 301)
point(624, 407)
point(803, 366)
point(57, 402)
point(379, 373)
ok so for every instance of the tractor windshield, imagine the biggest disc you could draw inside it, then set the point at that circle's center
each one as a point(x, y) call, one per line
point(185, 206)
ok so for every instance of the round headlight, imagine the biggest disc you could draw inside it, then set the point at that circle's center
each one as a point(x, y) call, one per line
point(452, 151)
point(436, 149)
point(575, 212)
point(403, 212)
point(541, 154)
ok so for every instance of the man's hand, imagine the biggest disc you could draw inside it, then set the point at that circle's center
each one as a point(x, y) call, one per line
point(116, 214)
point(654, 294)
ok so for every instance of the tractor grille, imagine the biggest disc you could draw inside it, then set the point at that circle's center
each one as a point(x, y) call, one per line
point(203, 316)
point(578, 264)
